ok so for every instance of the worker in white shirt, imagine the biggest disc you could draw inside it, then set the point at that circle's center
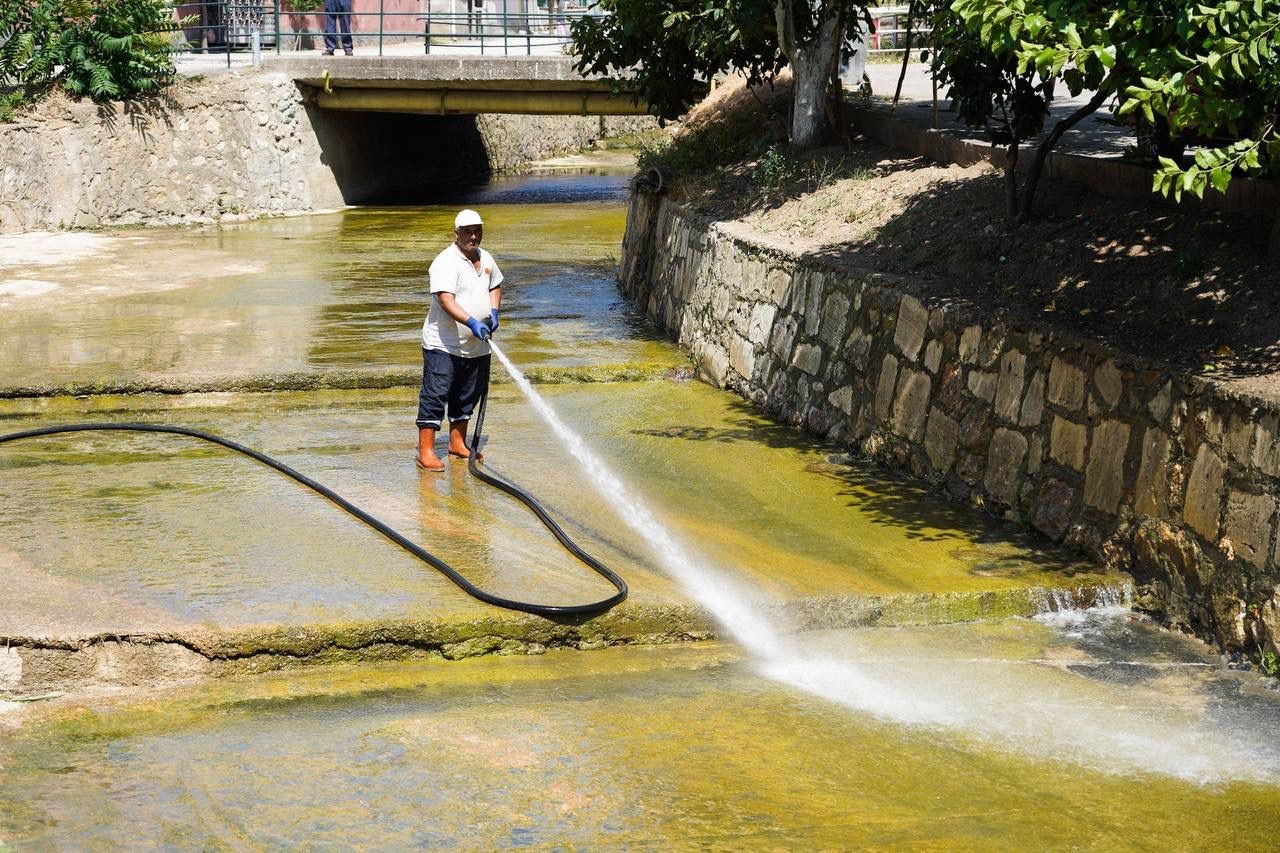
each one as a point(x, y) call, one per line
point(466, 292)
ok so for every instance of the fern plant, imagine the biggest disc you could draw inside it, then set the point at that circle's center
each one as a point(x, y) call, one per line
point(103, 49)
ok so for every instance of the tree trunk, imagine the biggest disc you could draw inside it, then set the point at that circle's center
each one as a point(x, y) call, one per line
point(1042, 152)
point(811, 60)
point(906, 57)
point(1011, 179)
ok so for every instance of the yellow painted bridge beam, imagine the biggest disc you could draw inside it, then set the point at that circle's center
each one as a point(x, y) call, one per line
point(456, 101)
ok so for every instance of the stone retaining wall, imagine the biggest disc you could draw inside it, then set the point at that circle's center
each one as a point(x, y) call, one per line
point(1168, 476)
point(249, 144)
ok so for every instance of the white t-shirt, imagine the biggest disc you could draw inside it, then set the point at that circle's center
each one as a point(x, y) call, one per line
point(453, 272)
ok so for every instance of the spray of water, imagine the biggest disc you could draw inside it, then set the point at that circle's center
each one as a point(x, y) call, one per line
point(1052, 719)
point(723, 596)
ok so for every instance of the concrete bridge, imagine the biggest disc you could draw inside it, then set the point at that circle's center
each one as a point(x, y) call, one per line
point(454, 85)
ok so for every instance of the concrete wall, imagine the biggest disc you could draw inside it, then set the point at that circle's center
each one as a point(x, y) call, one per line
point(249, 144)
point(1170, 477)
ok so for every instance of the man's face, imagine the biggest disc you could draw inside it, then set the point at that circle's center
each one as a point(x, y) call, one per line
point(469, 237)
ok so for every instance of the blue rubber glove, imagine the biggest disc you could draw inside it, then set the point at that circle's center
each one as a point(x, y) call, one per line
point(493, 320)
point(480, 330)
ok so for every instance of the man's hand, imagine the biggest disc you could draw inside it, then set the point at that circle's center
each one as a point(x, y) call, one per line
point(493, 320)
point(480, 330)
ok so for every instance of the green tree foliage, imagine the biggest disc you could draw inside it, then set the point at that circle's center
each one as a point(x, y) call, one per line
point(1208, 72)
point(1008, 58)
point(1218, 80)
point(665, 51)
point(103, 49)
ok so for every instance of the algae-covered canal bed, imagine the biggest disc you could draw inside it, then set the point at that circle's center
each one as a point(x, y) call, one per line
point(138, 566)
point(1052, 737)
point(314, 294)
point(195, 534)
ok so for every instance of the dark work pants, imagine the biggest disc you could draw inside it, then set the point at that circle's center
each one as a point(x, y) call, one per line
point(337, 14)
point(452, 382)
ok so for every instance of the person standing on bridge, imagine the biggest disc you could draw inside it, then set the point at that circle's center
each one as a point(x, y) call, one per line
point(337, 14)
point(466, 285)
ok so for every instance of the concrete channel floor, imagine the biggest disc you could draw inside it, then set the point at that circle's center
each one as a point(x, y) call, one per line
point(169, 537)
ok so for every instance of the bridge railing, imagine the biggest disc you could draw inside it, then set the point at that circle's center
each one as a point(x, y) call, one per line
point(235, 28)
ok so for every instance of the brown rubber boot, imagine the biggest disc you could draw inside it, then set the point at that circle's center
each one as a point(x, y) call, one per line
point(427, 459)
point(458, 441)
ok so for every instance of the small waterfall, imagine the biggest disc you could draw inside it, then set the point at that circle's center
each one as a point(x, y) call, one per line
point(1106, 596)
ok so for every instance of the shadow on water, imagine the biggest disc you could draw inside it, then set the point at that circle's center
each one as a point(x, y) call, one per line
point(883, 496)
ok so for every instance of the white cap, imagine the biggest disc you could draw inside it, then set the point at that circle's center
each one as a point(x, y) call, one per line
point(467, 217)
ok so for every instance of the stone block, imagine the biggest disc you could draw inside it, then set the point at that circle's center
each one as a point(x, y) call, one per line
point(990, 348)
point(784, 335)
point(969, 468)
point(1238, 437)
point(1033, 404)
point(1203, 503)
point(1067, 441)
point(982, 385)
point(1066, 385)
point(1249, 525)
point(1171, 555)
point(885, 386)
point(1104, 478)
point(761, 323)
point(1266, 445)
point(856, 348)
point(1035, 454)
point(970, 339)
point(1109, 382)
point(1004, 465)
point(776, 284)
point(913, 319)
point(813, 307)
point(912, 404)
point(940, 439)
point(713, 364)
point(808, 357)
point(835, 319)
point(1009, 385)
point(933, 356)
point(1151, 493)
point(1053, 509)
point(742, 356)
point(1160, 404)
point(842, 399)
point(975, 430)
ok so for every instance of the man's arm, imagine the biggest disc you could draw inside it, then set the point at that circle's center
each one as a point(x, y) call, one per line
point(495, 297)
point(452, 308)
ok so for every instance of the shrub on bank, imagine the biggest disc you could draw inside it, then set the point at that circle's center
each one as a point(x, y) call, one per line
point(108, 50)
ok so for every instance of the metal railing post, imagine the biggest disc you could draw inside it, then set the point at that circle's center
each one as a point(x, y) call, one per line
point(505, 28)
point(276, 5)
point(382, 9)
point(427, 35)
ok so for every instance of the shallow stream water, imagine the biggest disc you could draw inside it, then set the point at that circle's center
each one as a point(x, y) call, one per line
point(1093, 730)
point(1071, 745)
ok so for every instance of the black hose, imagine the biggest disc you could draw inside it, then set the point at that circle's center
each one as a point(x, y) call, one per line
point(550, 611)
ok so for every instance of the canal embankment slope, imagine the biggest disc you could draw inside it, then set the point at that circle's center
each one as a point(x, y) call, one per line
point(1105, 375)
